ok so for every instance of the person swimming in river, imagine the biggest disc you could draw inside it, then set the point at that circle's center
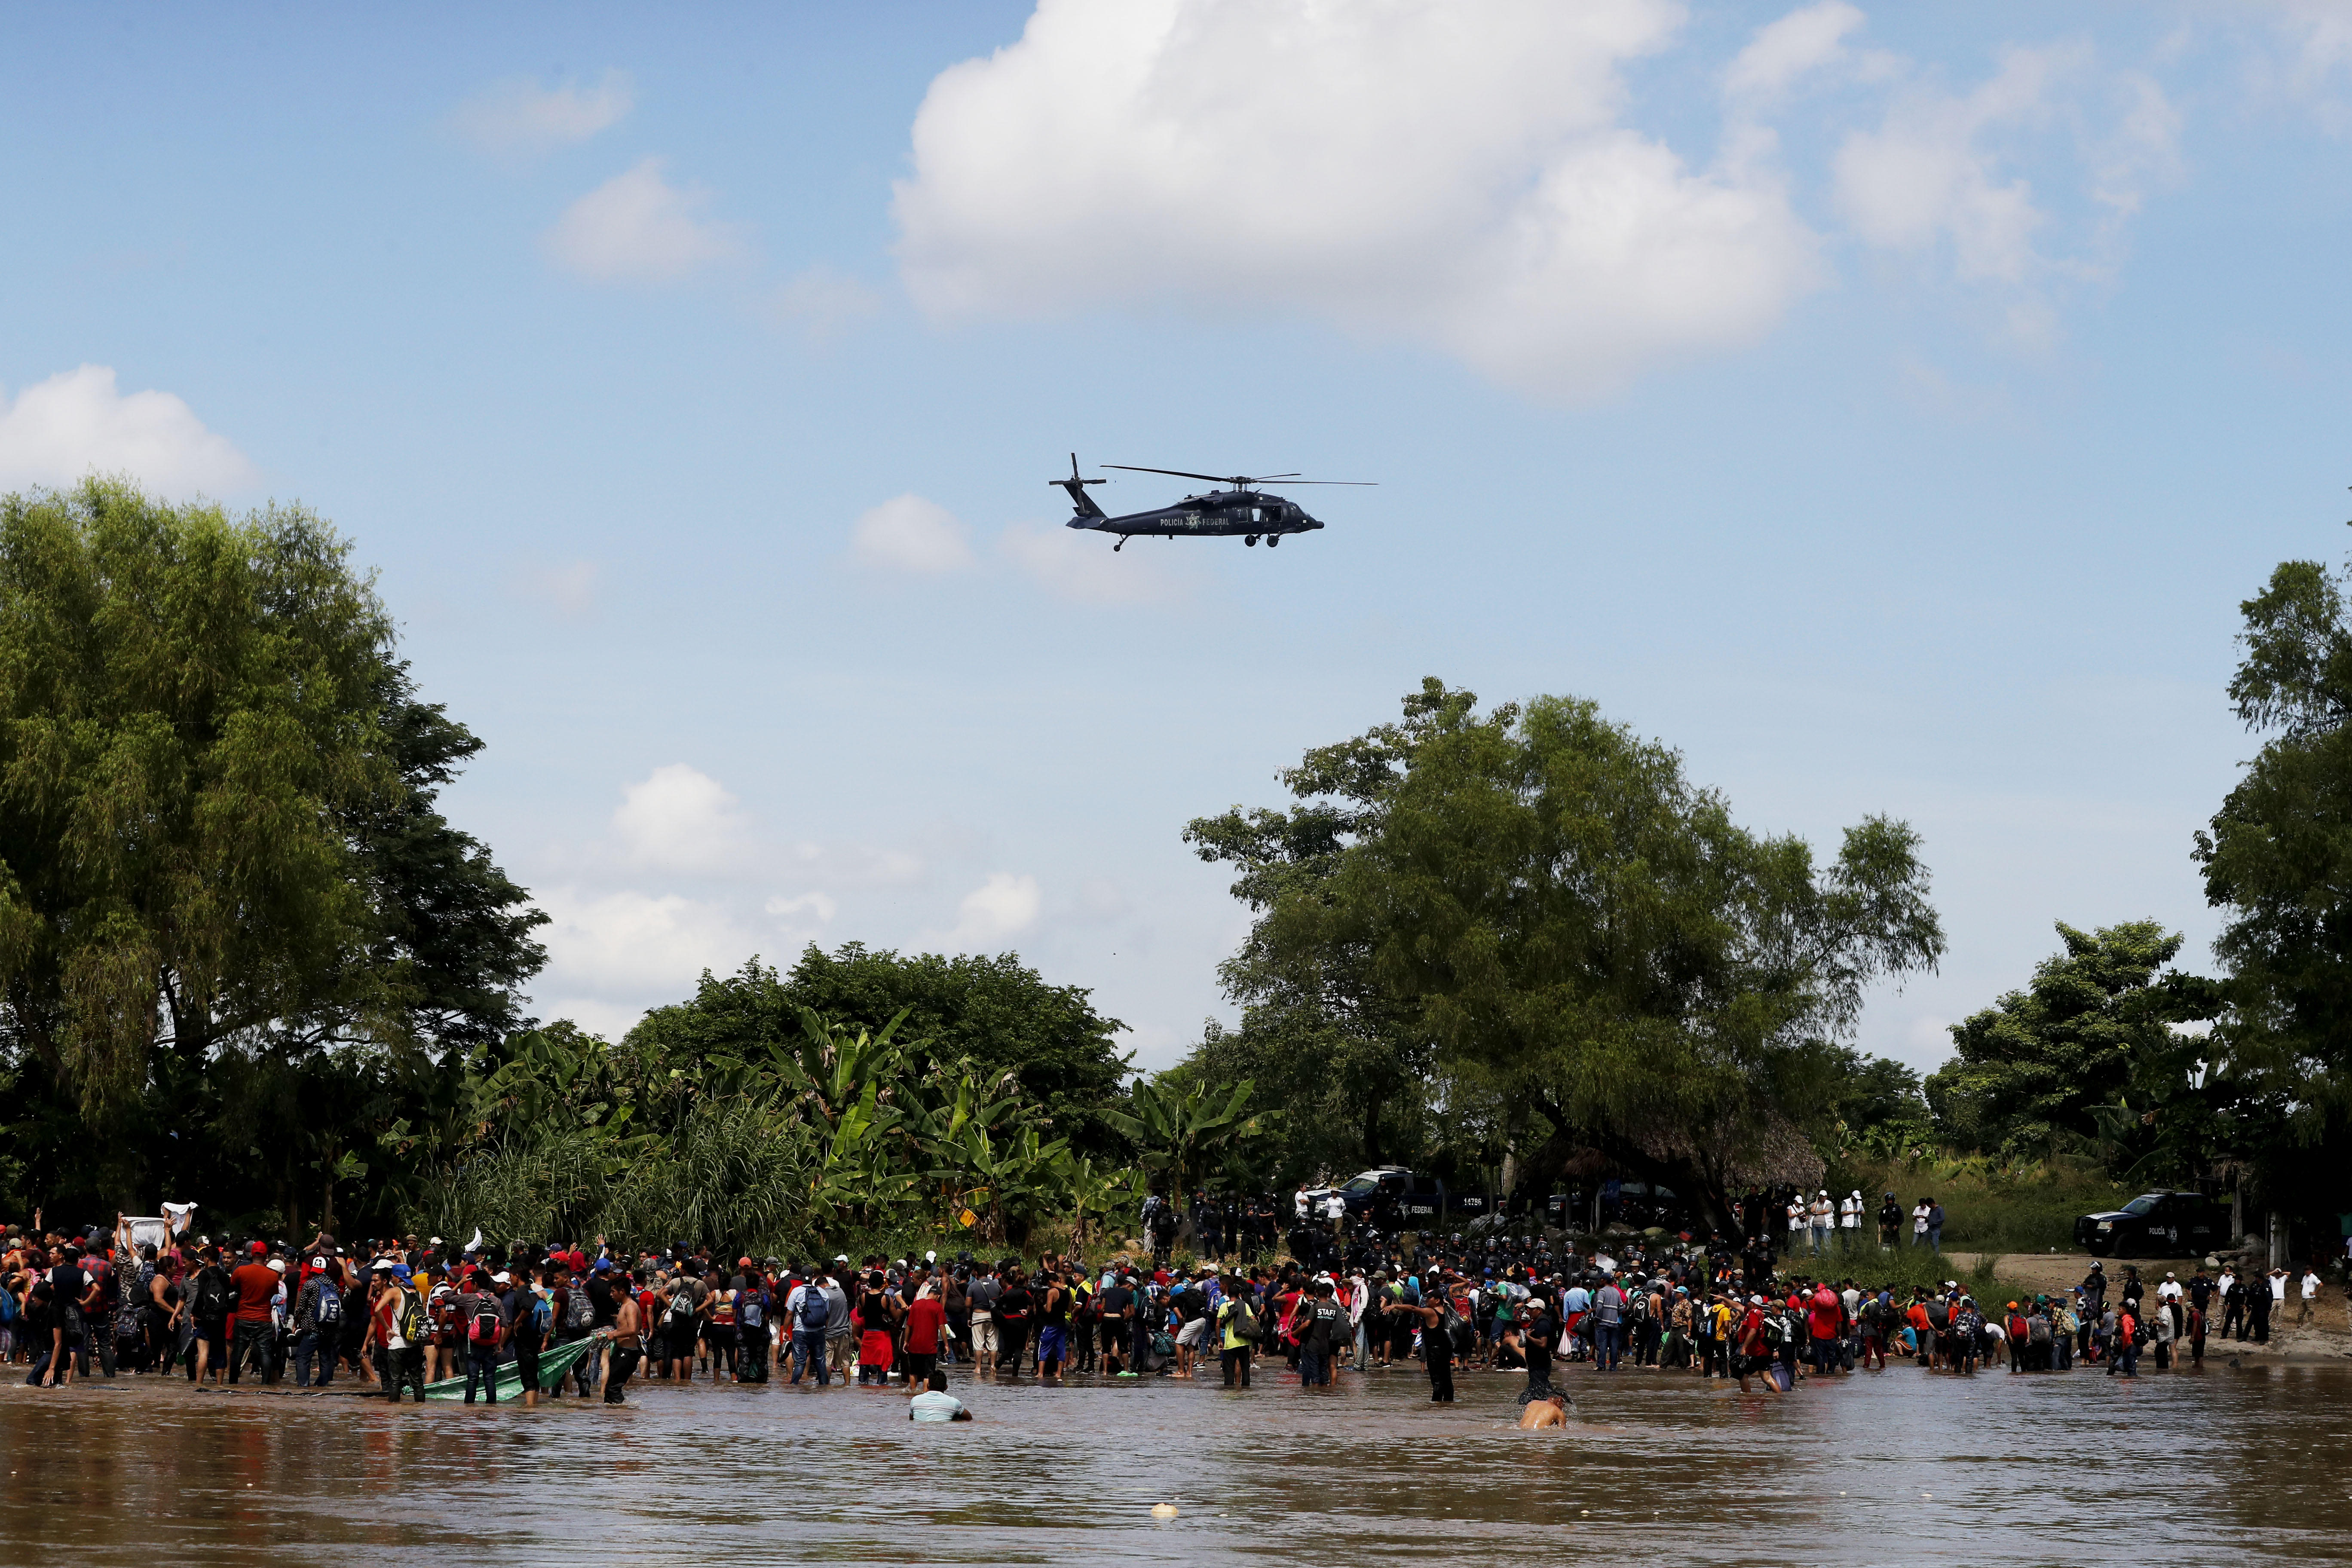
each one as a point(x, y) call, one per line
point(1547, 1409)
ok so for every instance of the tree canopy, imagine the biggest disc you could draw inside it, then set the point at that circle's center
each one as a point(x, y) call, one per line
point(995, 1013)
point(1541, 901)
point(2278, 855)
point(225, 883)
point(2035, 1066)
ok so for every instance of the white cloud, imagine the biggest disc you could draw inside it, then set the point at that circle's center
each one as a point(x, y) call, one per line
point(623, 944)
point(605, 1020)
point(2321, 34)
point(522, 119)
point(821, 303)
point(908, 533)
point(1078, 564)
point(681, 820)
point(2307, 45)
point(1935, 177)
point(58, 431)
point(637, 227)
point(1411, 169)
point(816, 904)
point(570, 589)
point(1803, 42)
point(1923, 177)
point(2143, 149)
point(994, 912)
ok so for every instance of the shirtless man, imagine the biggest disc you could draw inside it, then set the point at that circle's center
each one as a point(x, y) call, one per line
point(1551, 1410)
point(628, 1327)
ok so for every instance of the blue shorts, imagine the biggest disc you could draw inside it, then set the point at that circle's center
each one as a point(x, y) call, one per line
point(1053, 1343)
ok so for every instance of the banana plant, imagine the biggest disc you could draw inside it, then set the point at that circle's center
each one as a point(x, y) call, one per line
point(1014, 1173)
point(1177, 1129)
point(1089, 1191)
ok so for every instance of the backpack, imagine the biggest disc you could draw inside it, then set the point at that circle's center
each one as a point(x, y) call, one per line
point(543, 1315)
point(212, 1294)
point(681, 1308)
point(2037, 1331)
point(483, 1327)
point(816, 1309)
point(1642, 1307)
point(411, 1316)
point(751, 1308)
point(1243, 1321)
point(579, 1312)
point(330, 1310)
point(1776, 1330)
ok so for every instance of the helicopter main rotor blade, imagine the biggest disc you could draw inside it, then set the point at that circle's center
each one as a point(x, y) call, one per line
point(1237, 481)
point(1180, 473)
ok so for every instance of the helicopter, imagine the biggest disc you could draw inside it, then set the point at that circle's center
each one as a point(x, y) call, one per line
point(1240, 509)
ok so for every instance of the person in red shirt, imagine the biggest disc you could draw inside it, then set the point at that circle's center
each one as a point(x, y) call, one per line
point(926, 1315)
point(1829, 1324)
point(250, 1329)
point(1752, 1353)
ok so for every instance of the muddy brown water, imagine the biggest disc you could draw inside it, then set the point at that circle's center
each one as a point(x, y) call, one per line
point(2244, 1465)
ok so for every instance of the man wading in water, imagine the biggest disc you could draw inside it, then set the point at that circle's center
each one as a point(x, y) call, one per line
point(1436, 1344)
point(626, 1347)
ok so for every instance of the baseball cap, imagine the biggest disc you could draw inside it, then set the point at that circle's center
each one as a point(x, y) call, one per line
point(318, 1263)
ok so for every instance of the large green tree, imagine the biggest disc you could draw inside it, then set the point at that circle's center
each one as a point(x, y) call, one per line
point(223, 878)
point(2036, 1065)
point(993, 1012)
point(1561, 914)
point(1342, 1054)
point(2278, 860)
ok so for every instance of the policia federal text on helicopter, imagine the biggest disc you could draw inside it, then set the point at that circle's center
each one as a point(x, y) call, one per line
point(1240, 509)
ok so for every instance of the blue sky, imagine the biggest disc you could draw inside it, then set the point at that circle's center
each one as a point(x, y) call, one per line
point(1888, 406)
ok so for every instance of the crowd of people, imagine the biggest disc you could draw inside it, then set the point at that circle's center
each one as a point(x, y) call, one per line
point(398, 1315)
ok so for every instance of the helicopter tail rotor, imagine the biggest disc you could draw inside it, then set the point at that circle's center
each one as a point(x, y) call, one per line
point(1084, 502)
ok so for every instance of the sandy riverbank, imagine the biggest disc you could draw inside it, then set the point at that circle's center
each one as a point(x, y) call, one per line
point(2328, 1337)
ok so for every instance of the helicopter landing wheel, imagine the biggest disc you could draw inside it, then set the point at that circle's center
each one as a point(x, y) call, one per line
point(1251, 540)
point(1272, 540)
point(1119, 546)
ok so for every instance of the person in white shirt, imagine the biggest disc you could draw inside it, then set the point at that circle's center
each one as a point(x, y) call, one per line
point(936, 1404)
point(1824, 1217)
point(2310, 1294)
point(1796, 1217)
point(1919, 1224)
point(2170, 1289)
point(1850, 1212)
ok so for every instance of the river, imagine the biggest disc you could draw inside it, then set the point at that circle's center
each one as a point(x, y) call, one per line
point(2244, 1466)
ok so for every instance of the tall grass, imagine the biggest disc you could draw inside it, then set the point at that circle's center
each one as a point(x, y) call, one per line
point(1989, 1206)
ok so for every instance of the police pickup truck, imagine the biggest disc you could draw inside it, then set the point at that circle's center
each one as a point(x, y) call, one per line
point(1409, 1199)
point(2156, 1225)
